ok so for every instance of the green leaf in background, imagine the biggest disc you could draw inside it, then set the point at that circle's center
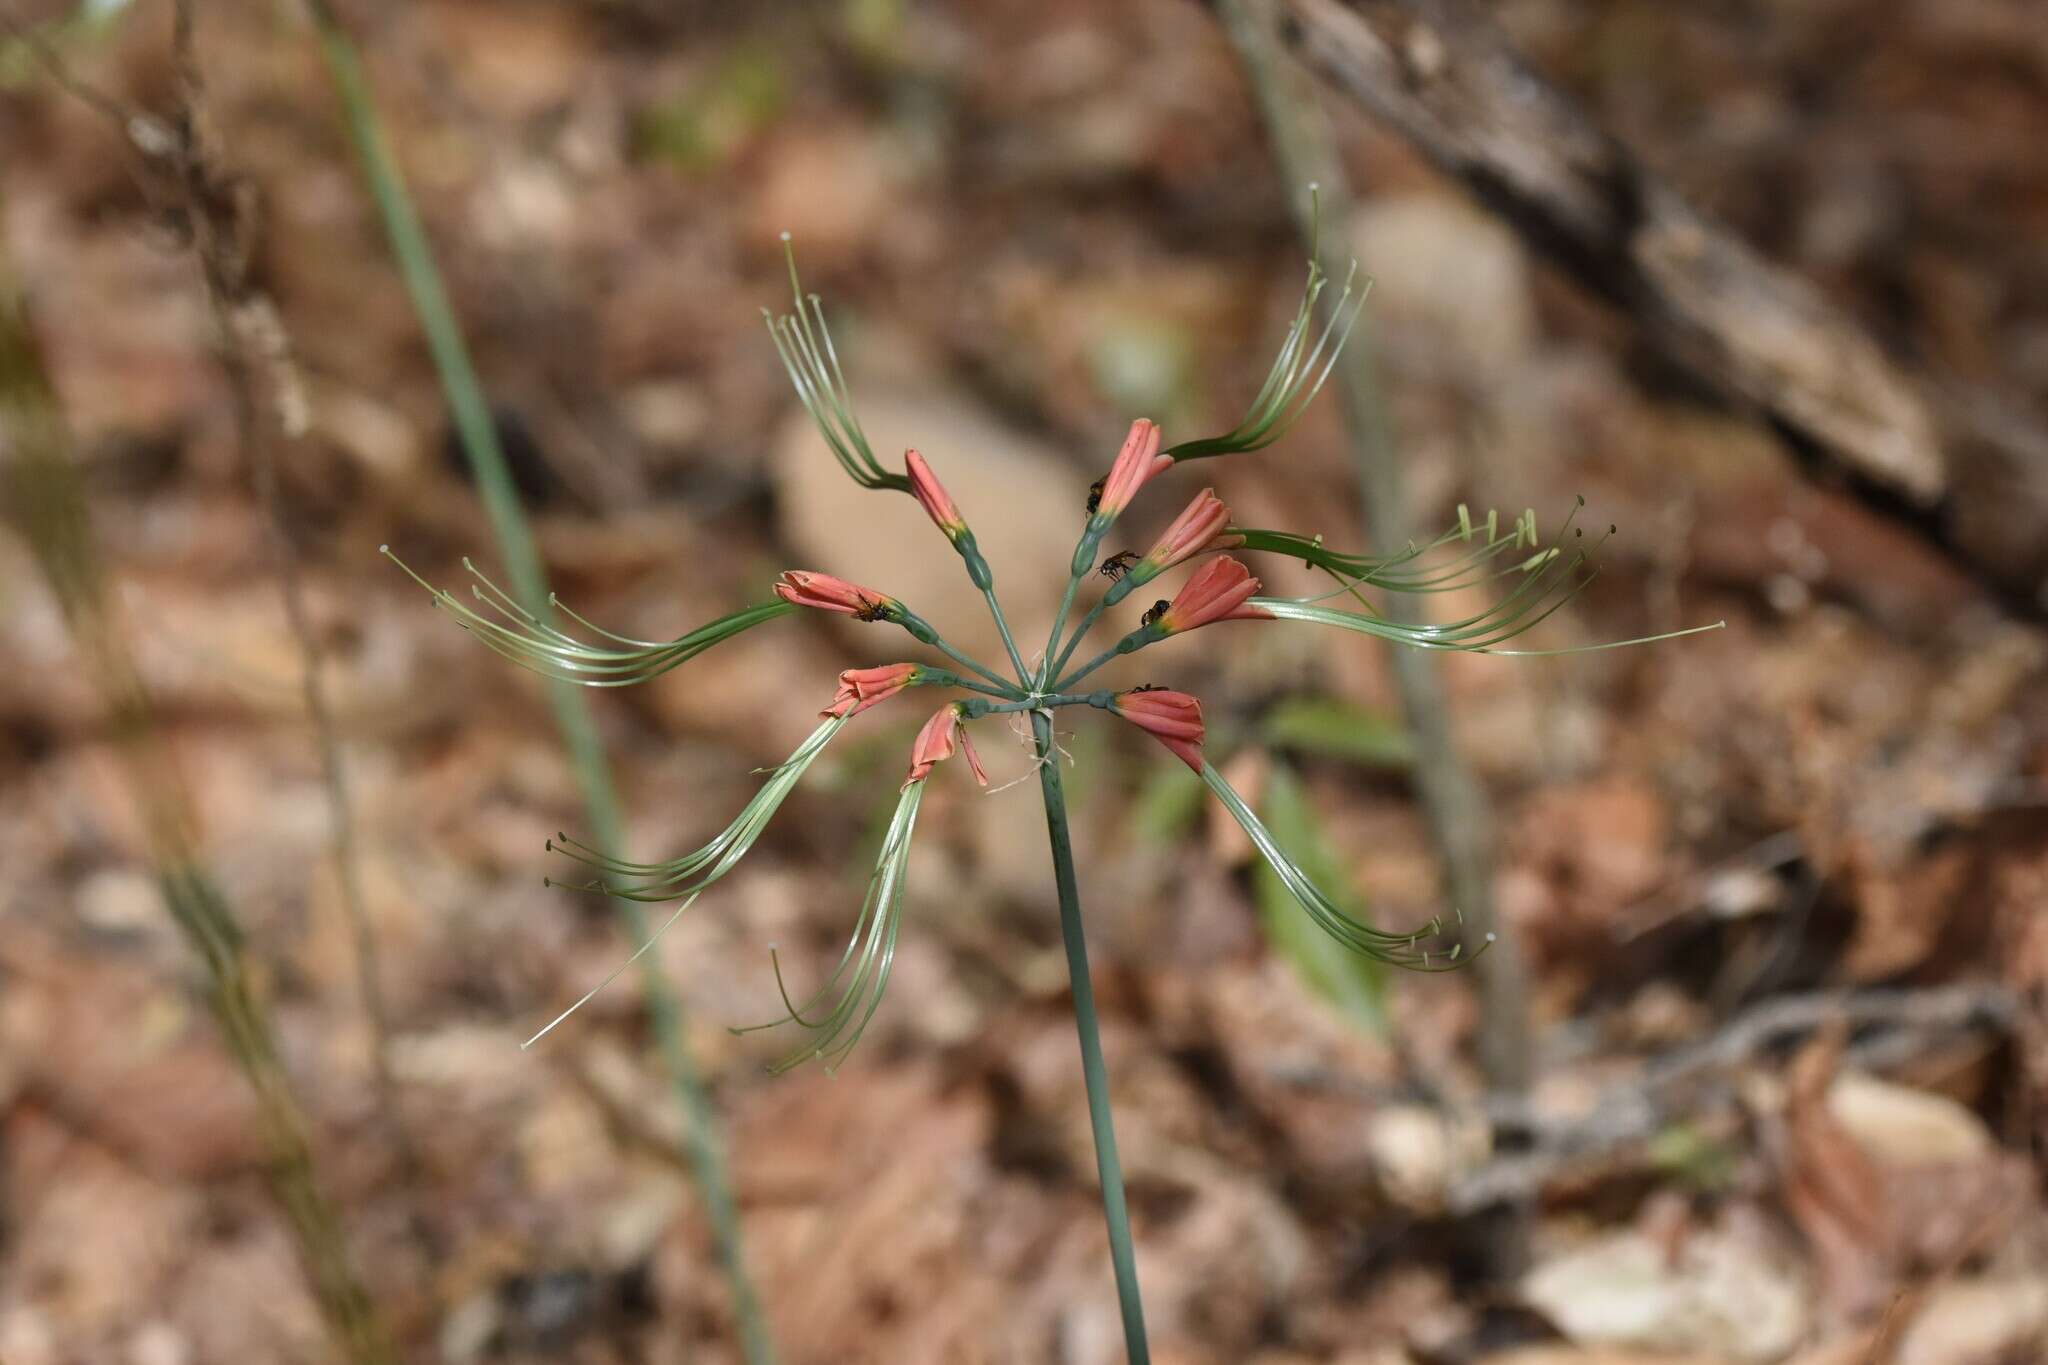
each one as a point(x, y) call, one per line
point(1353, 983)
point(706, 125)
point(1168, 803)
point(1140, 361)
point(1329, 728)
point(1687, 1153)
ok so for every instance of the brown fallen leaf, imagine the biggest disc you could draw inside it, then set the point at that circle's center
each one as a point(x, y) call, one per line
point(1831, 1188)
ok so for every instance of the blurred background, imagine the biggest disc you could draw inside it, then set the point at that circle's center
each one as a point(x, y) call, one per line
point(1758, 1072)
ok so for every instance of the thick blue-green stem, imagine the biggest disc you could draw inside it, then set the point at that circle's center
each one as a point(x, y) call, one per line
point(1094, 1074)
point(479, 436)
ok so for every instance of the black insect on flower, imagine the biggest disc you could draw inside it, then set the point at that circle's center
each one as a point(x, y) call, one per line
point(1118, 564)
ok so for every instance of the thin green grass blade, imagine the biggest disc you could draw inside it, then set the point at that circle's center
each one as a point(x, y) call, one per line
point(1352, 982)
point(479, 437)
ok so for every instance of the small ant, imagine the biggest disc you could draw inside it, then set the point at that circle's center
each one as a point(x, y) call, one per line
point(1158, 609)
point(1118, 564)
point(1148, 687)
point(871, 611)
point(1095, 494)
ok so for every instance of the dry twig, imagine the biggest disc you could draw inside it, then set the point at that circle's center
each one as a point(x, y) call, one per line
point(1961, 466)
point(42, 491)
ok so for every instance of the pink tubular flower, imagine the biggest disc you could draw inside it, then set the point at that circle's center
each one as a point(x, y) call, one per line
point(1137, 462)
point(932, 497)
point(935, 742)
point(860, 688)
point(1217, 592)
point(826, 593)
point(1173, 718)
point(1199, 527)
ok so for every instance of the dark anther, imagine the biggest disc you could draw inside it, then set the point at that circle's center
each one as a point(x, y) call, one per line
point(1118, 564)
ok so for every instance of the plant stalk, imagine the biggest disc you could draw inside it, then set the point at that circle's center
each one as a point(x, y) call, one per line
point(478, 432)
point(939, 643)
point(1084, 560)
point(995, 609)
point(1452, 800)
point(1081, 630)
point(1094, 1075)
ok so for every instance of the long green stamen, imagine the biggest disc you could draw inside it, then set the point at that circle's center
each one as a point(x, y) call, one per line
point(1298, 371)
point(533, 644)
point(864, 966)
point(1400, 950)
point(691, 873)
point(804, 343)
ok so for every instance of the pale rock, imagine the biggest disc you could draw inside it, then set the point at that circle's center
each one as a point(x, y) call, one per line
point(484, 1060)
point(666, 414)
point(374, 433)
point(158, 1343)
point(1977, 1322)
point(1024, 502)
point(1958, 1322)
point(1414, 1148)
point(631, 1226)
point(1720, 1293)
point(1899, 1126)
point(471, 1325)
point(122, 900)
point(27, 1336)
point(563, 1145)
point(1450, 287)
point(1573, 1355)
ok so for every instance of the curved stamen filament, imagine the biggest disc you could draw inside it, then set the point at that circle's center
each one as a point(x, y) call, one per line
point(691, 873)
point(1298, 371)
point(804, 344)
point(855, 985)
point(506, 628)
point(1398, 949)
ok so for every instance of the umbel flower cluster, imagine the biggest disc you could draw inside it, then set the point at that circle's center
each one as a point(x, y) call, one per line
point(1532, 579)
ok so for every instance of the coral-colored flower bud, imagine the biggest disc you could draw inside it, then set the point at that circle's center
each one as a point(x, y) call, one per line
point(1199, 527)
point(925, 486)
point(1217, 592)
point(1137, 462)
point(1173, 718)
point(826, 593)
point(860, 688)
point(936, 741)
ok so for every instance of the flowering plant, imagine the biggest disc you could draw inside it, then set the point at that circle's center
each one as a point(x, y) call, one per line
point(1537, 580)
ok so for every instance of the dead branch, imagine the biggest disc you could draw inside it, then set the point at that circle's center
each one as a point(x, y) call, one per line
point(1962, 467)
point(1900, 1020)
